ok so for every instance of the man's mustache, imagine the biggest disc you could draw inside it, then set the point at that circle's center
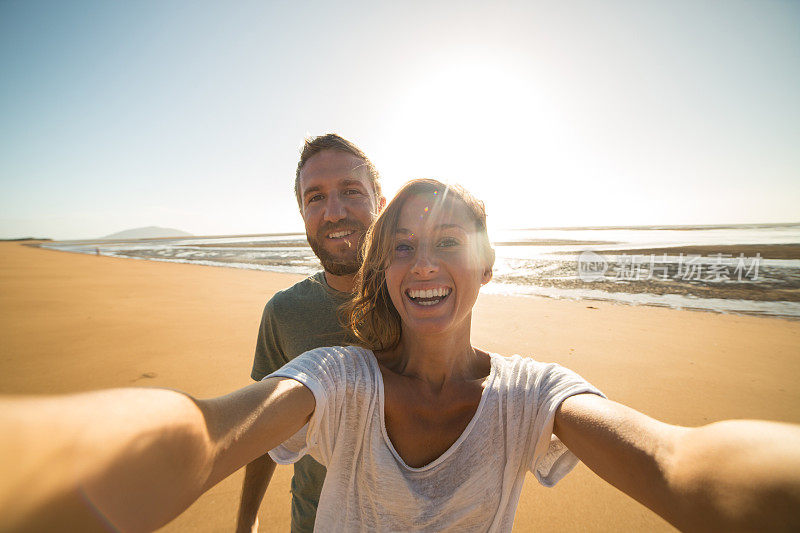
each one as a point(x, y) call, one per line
point(341, 225)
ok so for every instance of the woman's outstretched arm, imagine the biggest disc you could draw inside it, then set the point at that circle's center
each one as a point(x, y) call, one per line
point(132, 458)
point(737, 475)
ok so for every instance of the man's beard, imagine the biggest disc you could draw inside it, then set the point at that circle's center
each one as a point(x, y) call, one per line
point(333, 264)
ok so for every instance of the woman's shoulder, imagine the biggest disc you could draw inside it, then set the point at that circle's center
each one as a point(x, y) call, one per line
point(340, 352)
point(511, 362)
point(519, 373)
point(523, 369)
point(349, 360)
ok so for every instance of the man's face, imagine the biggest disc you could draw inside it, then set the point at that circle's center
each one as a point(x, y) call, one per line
point(338, 205)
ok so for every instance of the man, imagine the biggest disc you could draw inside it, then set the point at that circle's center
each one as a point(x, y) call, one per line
point(339, 195)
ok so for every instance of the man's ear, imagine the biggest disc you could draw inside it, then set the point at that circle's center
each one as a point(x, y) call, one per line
point(381, 203)
point(487, 273)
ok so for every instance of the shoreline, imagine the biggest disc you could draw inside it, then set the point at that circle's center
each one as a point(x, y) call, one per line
point(766, 251)
point(686, 297)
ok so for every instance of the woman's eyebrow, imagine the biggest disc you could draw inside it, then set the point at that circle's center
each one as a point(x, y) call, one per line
point(405, 231)
point(450, 226)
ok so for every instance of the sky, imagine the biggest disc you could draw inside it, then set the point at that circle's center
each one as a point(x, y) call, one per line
point(190, 114)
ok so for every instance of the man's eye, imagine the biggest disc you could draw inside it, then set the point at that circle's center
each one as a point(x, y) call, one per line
point(352, 192)
point(315, 198)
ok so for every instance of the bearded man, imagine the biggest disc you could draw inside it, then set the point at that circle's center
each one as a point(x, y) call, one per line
point(339, 195)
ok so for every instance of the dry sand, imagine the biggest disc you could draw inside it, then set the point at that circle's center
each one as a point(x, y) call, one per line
point(76, 322)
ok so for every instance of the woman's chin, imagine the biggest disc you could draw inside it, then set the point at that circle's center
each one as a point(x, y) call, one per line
point(432, 326)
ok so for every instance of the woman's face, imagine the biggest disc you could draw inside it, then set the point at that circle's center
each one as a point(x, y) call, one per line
point(436, 269)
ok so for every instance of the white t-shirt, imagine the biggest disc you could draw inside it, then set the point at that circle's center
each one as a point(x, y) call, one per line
point(473, 486)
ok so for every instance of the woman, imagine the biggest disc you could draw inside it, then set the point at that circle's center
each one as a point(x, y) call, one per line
point(418, 428)
point(437, 435)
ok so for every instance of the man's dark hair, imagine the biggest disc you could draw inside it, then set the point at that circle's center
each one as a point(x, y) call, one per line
point(331, 141)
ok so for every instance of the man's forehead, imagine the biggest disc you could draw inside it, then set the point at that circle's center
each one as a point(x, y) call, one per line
point(331, 165)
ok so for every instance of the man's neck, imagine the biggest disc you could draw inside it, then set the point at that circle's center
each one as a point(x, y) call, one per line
point(340, 283)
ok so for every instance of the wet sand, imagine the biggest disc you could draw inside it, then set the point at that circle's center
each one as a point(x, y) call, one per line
point(73, 322)
point(767, 251)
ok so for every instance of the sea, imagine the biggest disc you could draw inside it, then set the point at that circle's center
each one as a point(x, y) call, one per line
point(751, 269)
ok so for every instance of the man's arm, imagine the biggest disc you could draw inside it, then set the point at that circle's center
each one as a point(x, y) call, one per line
point(134, 458)
point(731, 476)
point(257, 476)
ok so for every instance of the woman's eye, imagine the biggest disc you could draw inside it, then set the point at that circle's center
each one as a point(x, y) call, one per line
point(401, 248)
point(447, 242)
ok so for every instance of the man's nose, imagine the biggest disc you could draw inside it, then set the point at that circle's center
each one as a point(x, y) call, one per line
point(334, 209)
point(425, 263)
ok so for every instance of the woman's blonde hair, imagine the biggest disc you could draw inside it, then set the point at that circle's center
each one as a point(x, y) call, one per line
point(370, 315)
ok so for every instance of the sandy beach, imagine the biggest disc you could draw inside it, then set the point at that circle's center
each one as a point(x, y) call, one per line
point(73, 322)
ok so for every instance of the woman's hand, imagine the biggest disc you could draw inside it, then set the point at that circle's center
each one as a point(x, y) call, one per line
point(731, 476)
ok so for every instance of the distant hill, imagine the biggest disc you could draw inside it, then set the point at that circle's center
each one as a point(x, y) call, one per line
point(150, 232)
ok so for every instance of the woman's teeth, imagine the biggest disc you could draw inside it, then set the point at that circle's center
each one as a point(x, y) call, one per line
point(428, 293)
point(428, 296)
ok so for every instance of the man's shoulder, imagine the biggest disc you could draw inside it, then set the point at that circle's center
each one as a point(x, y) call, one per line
point(310, 290)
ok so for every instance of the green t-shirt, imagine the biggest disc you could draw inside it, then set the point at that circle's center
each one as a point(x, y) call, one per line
point(296, 320)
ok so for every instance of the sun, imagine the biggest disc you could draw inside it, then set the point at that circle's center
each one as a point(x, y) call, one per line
point(477, 122)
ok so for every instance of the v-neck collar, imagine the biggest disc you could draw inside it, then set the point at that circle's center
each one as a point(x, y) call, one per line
point(453, 447)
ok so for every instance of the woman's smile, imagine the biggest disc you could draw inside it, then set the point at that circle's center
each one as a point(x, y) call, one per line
point(428, 297)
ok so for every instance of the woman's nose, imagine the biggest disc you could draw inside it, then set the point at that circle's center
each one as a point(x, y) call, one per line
point(424, 263)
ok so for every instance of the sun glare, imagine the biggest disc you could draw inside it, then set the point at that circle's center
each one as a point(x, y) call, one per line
point(482, 124)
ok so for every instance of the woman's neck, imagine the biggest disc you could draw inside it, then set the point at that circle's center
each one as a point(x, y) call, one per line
point(436, 359)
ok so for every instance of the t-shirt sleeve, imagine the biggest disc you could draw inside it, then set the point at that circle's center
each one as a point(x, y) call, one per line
point(269, 355)
point(553, 384)
point(324, 372)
